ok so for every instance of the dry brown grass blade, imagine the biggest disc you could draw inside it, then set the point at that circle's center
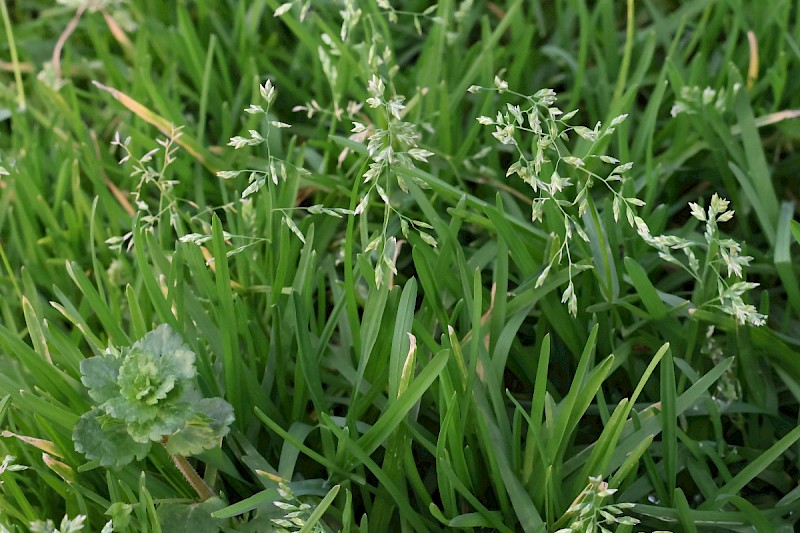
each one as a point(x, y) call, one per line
point(484, 319)
point(164, 126)
point(62, 40)
point(209, 257)
point(752, 70)
point(118, 33)
point(8, 66)
point(769, 119)
point(44, 445)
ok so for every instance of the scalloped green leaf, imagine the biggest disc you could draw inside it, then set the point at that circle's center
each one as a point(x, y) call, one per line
point(99, 374)
point(205, 430)
point(103, 438)
point(176, 356)
point(191, 518)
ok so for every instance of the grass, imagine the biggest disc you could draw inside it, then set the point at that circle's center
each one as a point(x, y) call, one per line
point(397, 351)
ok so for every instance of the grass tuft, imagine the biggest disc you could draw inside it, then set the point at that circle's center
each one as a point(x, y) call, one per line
point(470, 266)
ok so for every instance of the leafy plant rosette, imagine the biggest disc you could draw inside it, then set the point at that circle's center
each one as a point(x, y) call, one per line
point(146, 393)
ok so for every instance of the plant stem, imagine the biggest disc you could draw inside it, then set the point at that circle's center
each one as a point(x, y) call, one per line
point(202, 489)
point(14, 58)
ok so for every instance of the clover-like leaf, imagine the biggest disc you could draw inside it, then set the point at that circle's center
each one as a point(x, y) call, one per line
point(144, 393)
point(163, 342)
point(210, 423)
point(169, 419)
point(99, 374)
point(101, 437)
point(191, 518)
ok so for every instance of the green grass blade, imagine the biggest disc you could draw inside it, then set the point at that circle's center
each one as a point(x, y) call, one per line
point(783, 258)
point(755, 467)
point(319, 511)
point(397, 411)
point(669, 437)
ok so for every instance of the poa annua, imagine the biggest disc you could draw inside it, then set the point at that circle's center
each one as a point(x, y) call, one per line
point(276, 171)
point(392, 142)
point(150, 171)
point(67, 525)
point(296, 513)
point(536, 132)
point(588, 513)
point(393, 146)
point(723, 265)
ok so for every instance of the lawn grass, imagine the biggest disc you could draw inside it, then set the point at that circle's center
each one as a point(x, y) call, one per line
point(413, 350)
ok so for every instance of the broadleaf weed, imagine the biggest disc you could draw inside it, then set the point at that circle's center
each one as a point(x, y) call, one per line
point(145, 394)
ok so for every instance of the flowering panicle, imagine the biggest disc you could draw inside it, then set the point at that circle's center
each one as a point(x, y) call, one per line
point(722, 254)
point(390, 148)
point(587, 512)
point(535, 132)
